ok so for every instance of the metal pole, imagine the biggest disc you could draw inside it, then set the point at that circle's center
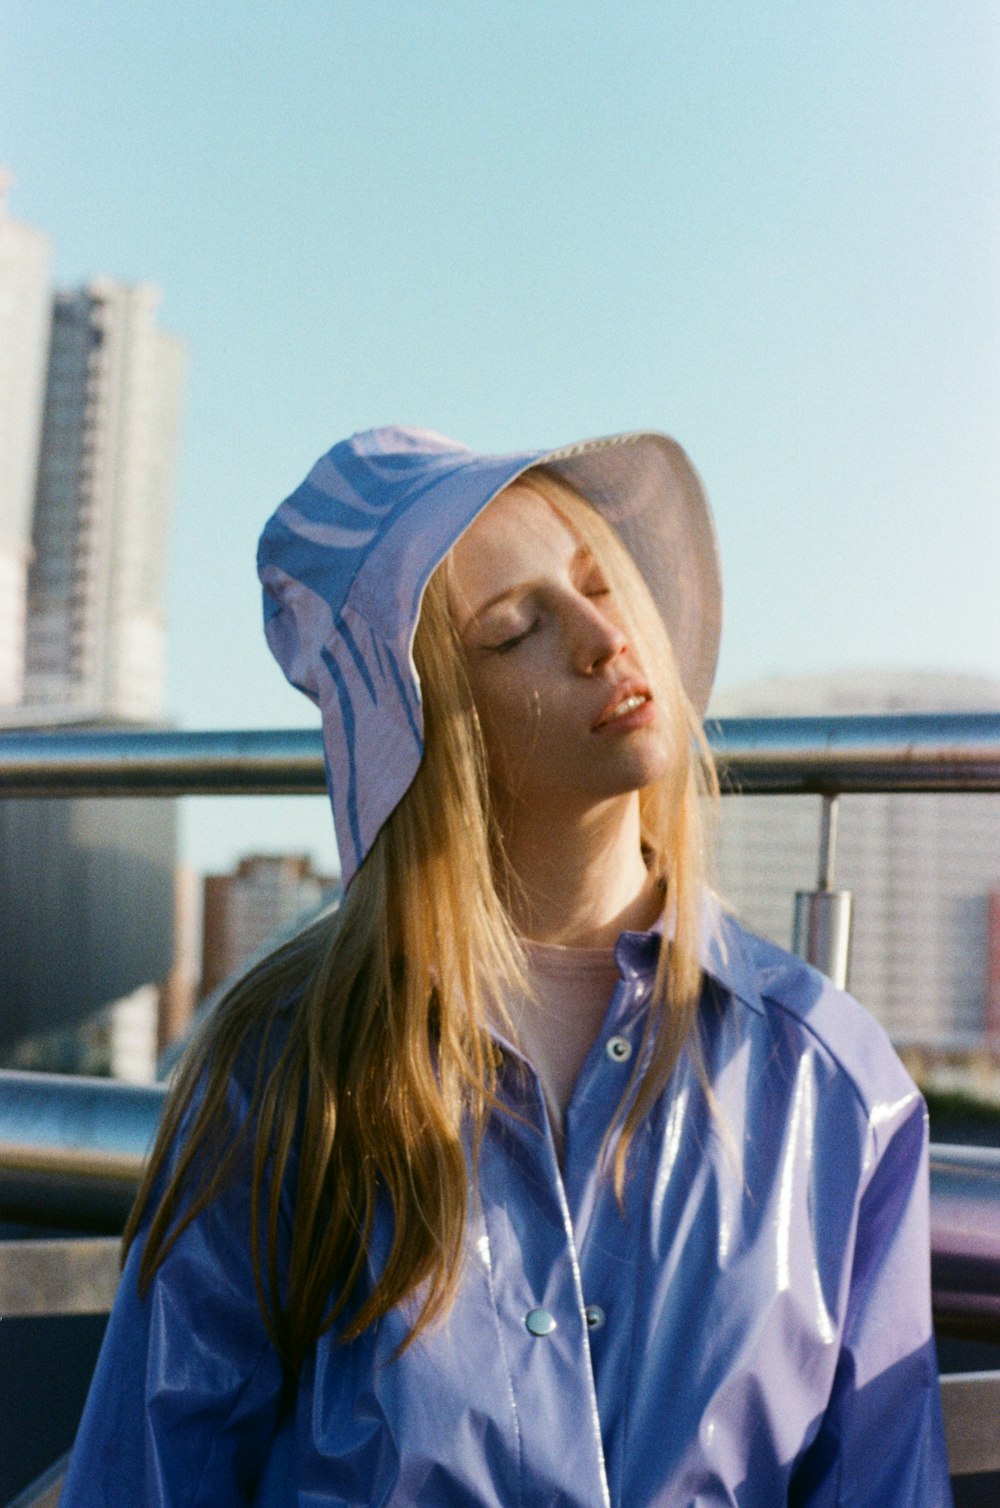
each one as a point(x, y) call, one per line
point(828, 842)
point(822, 929)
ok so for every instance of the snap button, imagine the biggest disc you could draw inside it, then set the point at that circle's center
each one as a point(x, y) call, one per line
point(540, 1321)
point(594, 1315)
point(619, 1049)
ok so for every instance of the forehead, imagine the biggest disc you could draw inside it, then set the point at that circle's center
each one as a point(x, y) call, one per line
point(519, 536)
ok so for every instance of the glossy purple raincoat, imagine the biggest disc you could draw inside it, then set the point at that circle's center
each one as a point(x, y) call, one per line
point(752, 1329)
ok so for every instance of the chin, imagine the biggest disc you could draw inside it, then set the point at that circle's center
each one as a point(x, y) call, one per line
point(627, 781)
point(644, 766)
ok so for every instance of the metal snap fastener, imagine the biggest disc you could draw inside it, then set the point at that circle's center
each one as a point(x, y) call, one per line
point(619, 1049)
point(540, 1321)
point(595, 1316)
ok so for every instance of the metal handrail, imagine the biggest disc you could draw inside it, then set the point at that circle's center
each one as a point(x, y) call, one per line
point(142, 762)
point(888, 753)
point(72, 1149)
point(756, 756)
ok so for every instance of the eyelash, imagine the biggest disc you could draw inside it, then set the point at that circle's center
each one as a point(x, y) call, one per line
point(512, 643)
point(501, 649)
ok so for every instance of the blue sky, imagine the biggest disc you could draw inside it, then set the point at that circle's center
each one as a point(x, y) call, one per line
point(771, 229)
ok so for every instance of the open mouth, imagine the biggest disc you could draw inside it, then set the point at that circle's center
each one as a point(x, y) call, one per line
point(624, 707)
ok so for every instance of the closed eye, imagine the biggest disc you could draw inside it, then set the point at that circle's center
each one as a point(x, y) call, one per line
point(508, 644)
point(593, 582)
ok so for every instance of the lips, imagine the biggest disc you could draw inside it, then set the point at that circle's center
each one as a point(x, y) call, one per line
point(627, 697)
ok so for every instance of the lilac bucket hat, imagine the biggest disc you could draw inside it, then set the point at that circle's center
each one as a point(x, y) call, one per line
point(345, 559)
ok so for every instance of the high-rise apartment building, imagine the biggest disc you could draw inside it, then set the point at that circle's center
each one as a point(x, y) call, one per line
point(96, 585)
point(90, 392)
point(246, 911)
point(25, 259)
point(921, 868)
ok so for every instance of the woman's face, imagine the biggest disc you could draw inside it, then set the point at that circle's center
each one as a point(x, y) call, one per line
point(567, 714)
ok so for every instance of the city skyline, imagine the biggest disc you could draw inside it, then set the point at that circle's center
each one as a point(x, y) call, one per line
point(777, 240)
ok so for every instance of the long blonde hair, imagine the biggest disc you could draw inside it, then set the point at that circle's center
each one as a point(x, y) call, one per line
point(379, 1075)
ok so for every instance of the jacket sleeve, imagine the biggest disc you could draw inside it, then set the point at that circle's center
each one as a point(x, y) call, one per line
point(881, 1439)
point(187, 1392)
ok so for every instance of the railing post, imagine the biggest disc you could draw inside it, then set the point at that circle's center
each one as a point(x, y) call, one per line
point(822, 930)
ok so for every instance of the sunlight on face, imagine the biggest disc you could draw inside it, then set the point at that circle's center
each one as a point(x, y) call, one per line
point(567, 714)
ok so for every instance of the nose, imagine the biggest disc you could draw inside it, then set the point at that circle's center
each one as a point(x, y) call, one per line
point(595, 637)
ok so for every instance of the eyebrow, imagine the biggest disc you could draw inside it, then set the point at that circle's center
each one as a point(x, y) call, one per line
point(583, 552)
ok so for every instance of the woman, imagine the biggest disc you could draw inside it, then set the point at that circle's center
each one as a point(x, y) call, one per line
point(530, 1177)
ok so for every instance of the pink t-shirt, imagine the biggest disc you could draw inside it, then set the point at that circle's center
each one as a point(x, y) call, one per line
point(557, 1025)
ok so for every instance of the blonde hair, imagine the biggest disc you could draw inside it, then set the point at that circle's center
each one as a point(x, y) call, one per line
point(676, 818)
point(380, 1087)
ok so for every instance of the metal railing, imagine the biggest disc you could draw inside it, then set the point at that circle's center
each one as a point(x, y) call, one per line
point(825, 756)
point(779, 756)
point(73, 1149)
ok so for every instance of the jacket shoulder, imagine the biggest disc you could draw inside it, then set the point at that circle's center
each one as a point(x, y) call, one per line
point(790, 996)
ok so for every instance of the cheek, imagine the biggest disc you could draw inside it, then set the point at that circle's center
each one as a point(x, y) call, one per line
point(512, 718)
point(511, 721)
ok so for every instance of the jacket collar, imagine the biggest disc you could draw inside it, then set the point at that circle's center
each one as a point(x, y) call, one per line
point(725, 956)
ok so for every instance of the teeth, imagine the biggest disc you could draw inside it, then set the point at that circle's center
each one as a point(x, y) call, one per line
point(628, 705)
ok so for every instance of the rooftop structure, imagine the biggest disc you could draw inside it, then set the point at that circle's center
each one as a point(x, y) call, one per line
point(921, 867)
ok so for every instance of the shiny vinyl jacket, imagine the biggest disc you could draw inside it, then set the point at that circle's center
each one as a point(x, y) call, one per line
point(752, 1329)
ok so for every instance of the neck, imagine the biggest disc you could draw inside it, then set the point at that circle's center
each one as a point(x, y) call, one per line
point(581, 880)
